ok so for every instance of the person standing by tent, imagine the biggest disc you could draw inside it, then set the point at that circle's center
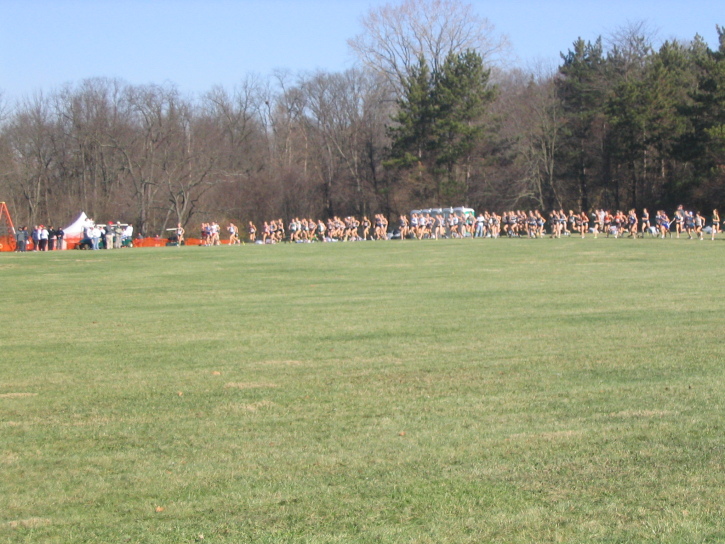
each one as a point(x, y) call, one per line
point(109, 236)
point(51, 238)
point(95, 236)
point(43, 238)
point(35, 237)
point(21, 239)
point(59, 236)
point(117, 235)
point(128, 234)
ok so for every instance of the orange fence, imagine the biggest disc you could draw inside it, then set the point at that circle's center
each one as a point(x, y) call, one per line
point(149, 242)
point(7, 243)
point(197, 242)
point(161, 242)
point(70, 242)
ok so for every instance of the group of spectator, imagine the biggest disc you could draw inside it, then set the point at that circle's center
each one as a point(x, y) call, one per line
point(40, 238)
point(48, 238)
point(110, 236)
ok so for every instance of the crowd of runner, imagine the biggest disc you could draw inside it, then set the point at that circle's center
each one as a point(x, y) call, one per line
point(310, 230)
point(531, 224)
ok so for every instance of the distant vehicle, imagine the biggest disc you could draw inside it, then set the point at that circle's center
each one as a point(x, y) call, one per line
point(466, 215)
point(460, 211)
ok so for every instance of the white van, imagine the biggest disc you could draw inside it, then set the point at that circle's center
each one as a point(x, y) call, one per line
point(459, 211)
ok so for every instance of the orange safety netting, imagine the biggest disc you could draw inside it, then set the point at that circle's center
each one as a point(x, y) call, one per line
point(150, 242)
point(197, 241)
point(7, 231)
point(70, 242)
point(7, 243)
point(161, 242)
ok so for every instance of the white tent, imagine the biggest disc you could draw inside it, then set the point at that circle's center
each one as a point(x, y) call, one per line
point(76, 229)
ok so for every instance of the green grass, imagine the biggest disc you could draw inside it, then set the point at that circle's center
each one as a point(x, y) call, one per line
point(454, 391)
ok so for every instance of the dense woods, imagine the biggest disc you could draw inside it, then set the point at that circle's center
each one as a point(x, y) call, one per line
point(620, 123)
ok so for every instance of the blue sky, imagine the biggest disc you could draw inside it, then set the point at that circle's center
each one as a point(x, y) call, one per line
point(196, 44)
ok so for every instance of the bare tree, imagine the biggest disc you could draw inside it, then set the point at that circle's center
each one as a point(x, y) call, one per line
point(396, 37)
point(146, 144)
point(4, 110)
point(189, 161)
point(630, 48)
point(533, 124)
point(290, 146)
point(341, 118)
point(90, 169)
point(237, 116)
point(31, 137)
point(335, 110)
point(235, 121)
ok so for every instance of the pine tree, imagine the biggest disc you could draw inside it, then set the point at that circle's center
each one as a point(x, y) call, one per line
point(461, 95)
point(412, 131)
point(705, 144)
point(438, 125)
point(582, 89)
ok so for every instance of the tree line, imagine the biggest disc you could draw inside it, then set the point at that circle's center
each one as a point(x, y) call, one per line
point(618, 124)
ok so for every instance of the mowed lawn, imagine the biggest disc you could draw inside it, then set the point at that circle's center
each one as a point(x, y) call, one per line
point(410, 392)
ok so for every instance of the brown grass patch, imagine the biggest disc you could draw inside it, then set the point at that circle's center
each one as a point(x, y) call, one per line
point(11, 424)
point(236, 408)
point(282, 363)
point(554, 435)
point(16, 395)
point(249, 385)
point(8, 458)
point(642, 413)
point(95, 421)
point(560, 434)
point(257, 405)
point(28, 523)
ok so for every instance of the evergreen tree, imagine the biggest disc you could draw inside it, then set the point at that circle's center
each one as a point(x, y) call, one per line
point(438, 125)
point(461, 95)
point(708, 121)
point(670, 79)
point(582, 89)
point(412, 133)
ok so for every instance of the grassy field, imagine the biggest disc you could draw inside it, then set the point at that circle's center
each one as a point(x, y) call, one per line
point(410, 392)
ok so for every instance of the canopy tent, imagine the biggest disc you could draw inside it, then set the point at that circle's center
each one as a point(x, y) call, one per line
point(75, 232)
point(76, 229)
